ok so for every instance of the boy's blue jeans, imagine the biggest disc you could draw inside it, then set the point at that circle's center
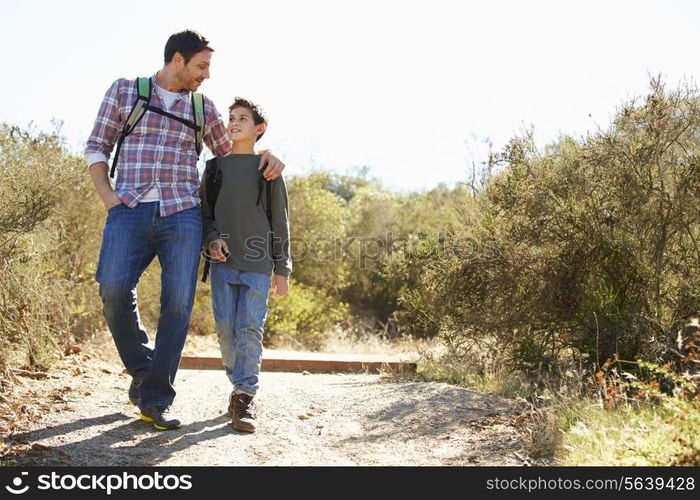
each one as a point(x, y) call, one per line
point(239, 299)
point(132, 237)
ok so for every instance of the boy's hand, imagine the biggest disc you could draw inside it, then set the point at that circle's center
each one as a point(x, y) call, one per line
point(280, 286)
point(218, 250)
point(274, 166)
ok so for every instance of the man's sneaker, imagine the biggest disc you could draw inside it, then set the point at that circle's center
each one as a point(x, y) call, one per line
point(241, 409)
point(135, 391)
point(162, 417)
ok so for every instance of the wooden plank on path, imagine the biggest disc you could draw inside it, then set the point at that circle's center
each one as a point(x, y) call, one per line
point(301, 365)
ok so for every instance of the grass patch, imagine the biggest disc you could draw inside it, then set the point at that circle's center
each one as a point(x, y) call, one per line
point(631, 434)
point(457, 371)
point(566, 424)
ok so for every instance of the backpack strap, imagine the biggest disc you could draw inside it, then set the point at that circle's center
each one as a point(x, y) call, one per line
point(268, 207)
point(268, 199)
point(143, 88)
point(143, 103)
point(207, 265)
point(198, 109)
point(212, 180)
point(268, 211)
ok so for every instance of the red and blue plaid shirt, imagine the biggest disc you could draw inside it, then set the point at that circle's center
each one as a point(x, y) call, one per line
point(160, 151)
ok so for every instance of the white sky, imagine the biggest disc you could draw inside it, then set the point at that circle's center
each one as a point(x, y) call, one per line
point(394, 85)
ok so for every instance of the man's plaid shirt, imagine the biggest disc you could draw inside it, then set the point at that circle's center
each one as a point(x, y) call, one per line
point(160, 151)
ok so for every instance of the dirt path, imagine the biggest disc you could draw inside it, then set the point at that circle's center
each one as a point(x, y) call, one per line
point(82, 417)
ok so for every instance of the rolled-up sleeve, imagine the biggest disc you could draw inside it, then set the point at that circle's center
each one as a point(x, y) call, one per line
point(105, 131)
point(215, 133)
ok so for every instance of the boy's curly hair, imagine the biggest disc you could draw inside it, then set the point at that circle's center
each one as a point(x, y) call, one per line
point(258, 113)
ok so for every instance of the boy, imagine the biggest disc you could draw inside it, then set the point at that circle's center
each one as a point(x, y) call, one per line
point(246, 237)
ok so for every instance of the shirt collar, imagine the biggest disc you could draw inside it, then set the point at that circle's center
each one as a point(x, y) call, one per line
point(183, 93)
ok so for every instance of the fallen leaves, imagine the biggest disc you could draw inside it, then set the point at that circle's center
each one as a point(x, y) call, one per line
point(72, 349)
point(30, 374)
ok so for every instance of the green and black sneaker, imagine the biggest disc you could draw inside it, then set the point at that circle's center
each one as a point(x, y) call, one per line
point(161, 417)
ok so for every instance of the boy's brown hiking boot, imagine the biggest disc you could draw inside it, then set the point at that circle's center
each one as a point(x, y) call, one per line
point(241, 409)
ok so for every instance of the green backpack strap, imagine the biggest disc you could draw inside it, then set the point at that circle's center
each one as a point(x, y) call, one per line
point(144, 89)
point(198, 107)
point(143, 86)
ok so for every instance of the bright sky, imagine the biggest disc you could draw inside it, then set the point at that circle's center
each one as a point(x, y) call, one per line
point(394, 85)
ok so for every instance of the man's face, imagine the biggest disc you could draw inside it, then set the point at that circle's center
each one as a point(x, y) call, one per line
point(192, 74)
point(241, 126)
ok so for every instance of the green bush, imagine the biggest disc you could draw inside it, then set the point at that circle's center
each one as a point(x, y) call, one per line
point(304, 318)
point(318, 228)
point(583, 249)
point(591, 245)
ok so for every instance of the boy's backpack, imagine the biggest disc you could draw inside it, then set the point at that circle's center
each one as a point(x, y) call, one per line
point(143, 104)
point(212, 179)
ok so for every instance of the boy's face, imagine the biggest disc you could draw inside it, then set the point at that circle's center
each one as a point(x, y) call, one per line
point(241, 126)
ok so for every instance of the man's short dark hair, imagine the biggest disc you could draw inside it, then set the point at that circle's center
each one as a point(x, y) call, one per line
point(187, 43)
point(258, 113)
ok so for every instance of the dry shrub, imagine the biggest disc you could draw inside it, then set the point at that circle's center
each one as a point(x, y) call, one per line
point(541, 432)
point(588, 246)
point(47, 297)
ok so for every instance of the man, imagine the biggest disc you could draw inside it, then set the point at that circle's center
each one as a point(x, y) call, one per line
point(155, 211)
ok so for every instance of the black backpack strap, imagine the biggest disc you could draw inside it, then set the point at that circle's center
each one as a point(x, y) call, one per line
point(268, 207)
point(197, 124)
point(161, 111)
point(205, 271)
point(143, 104)
point(268, 199)
point(143, 99)
point(212, 180)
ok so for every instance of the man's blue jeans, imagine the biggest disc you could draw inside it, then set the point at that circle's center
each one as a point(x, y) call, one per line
point(132, 237)
point(239, 299)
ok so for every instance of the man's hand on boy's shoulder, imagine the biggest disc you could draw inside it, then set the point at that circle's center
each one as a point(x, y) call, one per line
point(280, 286)
point(273, 166)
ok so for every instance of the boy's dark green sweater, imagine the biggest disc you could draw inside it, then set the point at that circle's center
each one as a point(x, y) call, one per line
point(240, 217)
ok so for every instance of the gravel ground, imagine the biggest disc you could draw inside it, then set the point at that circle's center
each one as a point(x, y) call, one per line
point(81, 416)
